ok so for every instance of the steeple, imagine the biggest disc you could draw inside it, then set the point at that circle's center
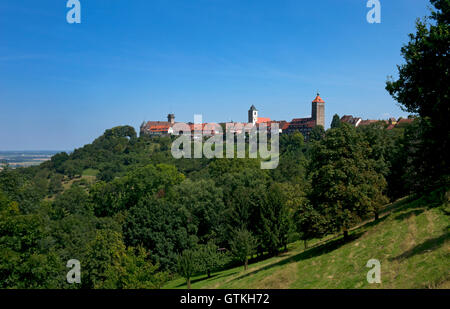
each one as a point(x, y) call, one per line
point(253, 115)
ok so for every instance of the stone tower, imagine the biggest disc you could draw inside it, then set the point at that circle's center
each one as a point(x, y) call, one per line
point(318, 111)
point(171, 118)
point(253, 115)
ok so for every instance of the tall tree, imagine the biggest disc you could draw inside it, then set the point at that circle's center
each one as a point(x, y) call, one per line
point(203, 201)
point(187, 265)
point(163, 227)
point(336, 122)
point(209, 258)
point(317, 133)
point(131, 269)
point(243, 245)
point(423, 88)
point(310, 223)
point(274, 220)
point(345, 184)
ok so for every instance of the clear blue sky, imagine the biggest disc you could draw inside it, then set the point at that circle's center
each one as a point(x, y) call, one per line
point(62, 85)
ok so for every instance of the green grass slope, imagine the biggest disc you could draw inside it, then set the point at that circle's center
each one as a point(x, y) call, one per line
point(411, 242)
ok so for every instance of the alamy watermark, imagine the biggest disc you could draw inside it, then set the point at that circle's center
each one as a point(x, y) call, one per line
point(256, 135)
point(74, 275)
point(74, 14)
point(374, 275)
point(374, 15)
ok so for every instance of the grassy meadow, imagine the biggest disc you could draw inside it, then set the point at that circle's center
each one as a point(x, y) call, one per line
point(411, 241)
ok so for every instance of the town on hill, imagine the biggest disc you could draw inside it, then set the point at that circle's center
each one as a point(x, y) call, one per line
point(302, 125)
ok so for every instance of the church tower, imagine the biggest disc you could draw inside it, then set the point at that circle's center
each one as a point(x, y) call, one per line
point(252, 115)
point(171, 118)
point(318, 111)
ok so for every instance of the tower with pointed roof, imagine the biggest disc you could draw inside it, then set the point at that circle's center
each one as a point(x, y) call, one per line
point(253, 115)
point(318, 111)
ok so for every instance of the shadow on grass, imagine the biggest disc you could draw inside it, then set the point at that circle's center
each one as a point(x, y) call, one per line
point(408, 214)
point(373, 222)
point(445, 211)
point(428, 245)
point(204, 278)
point(426, 201)
point(308, 253)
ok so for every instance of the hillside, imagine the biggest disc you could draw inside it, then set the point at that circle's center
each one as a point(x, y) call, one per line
point(131, 212)
point(411, 241)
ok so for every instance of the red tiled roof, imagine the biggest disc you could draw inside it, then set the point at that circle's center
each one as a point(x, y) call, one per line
point(262, 120)
point(318, 99)
point(157, 126)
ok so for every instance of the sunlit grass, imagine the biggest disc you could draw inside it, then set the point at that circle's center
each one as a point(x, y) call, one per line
point(411, 243)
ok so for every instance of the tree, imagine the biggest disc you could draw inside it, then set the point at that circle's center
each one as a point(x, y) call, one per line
point(140, 183)
point(274, 220)
point(73, 201)
point(58, 160)
point(26, 262)
point(209, 258)
point(336, 122)
point(102, 252)
point(422, 88)
point(317, 133)
point(55, 185)
point(295, 193)
point(310, 223)
point(292, 161)
point(187, 265)
point(132, 269)
point(243, 245)
point(380, 143)
point(345, 184)
point(163, 227)
point(203, 202)
point(245, 192)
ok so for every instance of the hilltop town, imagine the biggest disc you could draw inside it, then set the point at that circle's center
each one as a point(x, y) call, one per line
point(302, 125)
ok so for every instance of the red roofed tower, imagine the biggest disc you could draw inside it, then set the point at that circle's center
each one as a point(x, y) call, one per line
point(318, 111)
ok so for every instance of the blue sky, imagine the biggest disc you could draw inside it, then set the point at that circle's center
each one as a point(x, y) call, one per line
point(62, 85)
